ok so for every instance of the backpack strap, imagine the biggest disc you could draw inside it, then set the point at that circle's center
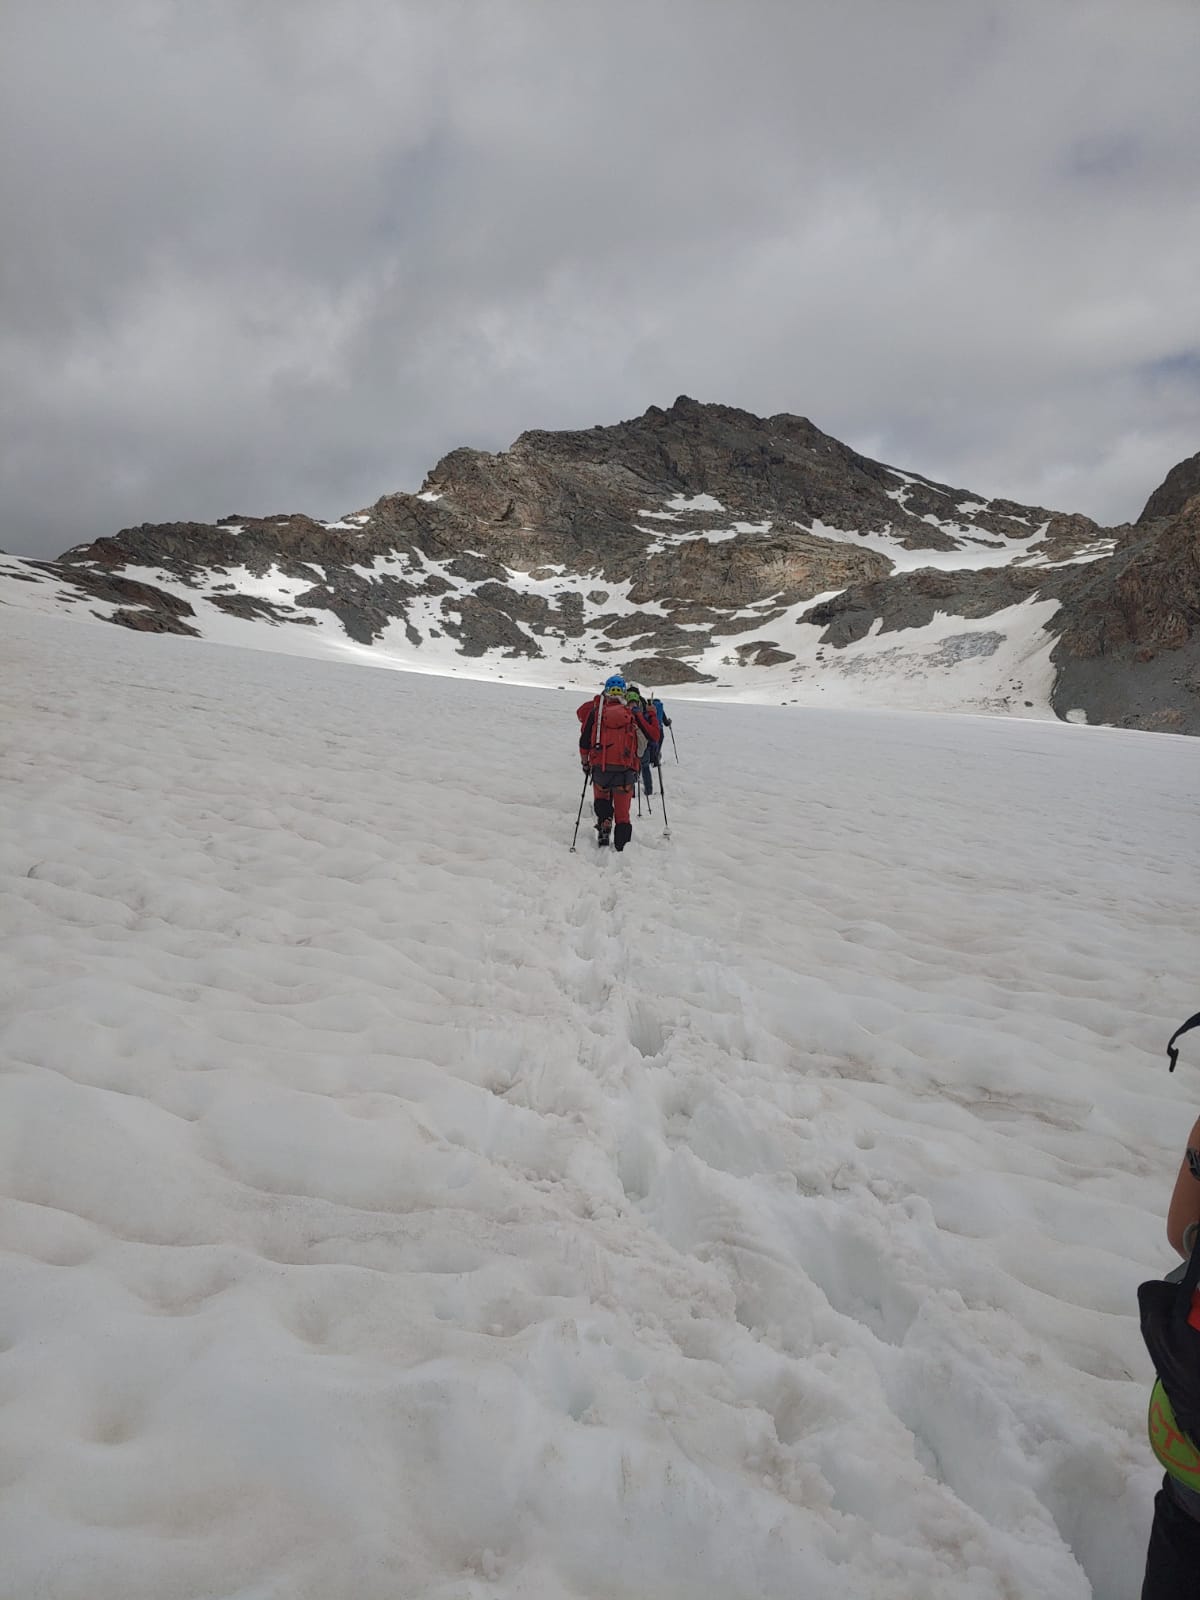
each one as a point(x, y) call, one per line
point(1185, 1027)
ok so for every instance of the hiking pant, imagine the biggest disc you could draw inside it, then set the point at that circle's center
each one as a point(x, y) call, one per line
point(612, 793)
point(1173, 1559)
point(649, 760)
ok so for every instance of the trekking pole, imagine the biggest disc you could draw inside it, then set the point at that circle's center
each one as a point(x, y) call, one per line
point(582, 798)
point(671, 731)
point(662, 795)
point(638, 786)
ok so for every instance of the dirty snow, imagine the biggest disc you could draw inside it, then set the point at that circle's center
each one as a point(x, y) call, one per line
point(694, 502)
point(665, 539)
point(1096, 551)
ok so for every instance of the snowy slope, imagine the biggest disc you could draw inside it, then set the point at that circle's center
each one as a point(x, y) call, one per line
point(398, 1205)
point(994, 665)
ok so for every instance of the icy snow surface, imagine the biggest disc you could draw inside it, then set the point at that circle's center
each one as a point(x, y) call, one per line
point(396, 1205)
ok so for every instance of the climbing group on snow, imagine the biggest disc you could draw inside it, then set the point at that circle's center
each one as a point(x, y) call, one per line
point(620, 742)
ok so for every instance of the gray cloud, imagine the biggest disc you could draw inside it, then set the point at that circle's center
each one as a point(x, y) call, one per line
point(283, 256)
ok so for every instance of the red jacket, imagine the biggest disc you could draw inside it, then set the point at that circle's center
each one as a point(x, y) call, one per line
point(609, 730)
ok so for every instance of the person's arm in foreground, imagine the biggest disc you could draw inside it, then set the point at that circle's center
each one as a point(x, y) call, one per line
point(1185, 1201)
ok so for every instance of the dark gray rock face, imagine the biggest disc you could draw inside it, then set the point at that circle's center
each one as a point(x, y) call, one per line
point(1143, 599)
point(657, 672)
point(142, 621)
point(140, 606)
point(1129, 631)
point(583, 492)
point(480, 627)
point(113, 587)
point(249, 607)
point(1158, 695)
point(1174, 492)
point(762, 653)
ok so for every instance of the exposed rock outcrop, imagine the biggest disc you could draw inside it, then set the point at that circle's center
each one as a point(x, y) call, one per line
point(1174, 492)
point(1129, 633)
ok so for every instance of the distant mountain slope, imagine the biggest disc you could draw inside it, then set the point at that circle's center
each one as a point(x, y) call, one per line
point(699, 545)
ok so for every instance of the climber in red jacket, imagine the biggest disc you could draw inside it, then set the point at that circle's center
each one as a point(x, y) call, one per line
point(609, 749)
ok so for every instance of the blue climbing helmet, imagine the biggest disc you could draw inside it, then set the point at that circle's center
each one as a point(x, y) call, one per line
point(616, 682)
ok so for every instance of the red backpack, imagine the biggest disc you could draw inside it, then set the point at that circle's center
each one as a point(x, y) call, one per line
point(610, 734)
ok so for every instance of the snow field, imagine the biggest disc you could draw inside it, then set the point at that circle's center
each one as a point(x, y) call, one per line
point(396, 1204)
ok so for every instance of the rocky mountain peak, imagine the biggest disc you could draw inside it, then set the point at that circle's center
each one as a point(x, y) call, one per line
point(1174, 492)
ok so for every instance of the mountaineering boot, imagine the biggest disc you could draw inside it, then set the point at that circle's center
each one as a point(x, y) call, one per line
point(623, 834)
point(604, 831)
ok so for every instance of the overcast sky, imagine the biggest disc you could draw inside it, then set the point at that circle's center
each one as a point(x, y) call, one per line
point(276, 255)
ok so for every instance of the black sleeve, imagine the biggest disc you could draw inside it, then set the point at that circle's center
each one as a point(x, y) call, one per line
point(585, 733)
